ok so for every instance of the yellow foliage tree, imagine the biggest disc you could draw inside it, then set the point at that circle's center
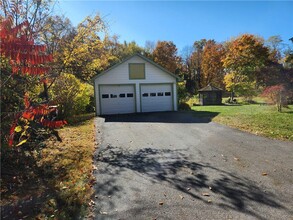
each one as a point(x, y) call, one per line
point(239, 85)
point(71, 94)
point(87, 54)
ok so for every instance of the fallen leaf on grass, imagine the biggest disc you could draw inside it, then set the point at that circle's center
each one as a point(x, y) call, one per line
point(188, 189)
point(205, 194)
point(264, 174)
point(210, 188)
point(103, 213)
point(161, 203)
point(209, 201)
point(236, 158)
point(181, 197)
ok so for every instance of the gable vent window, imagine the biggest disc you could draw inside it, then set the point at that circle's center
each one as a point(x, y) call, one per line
point(136, 71)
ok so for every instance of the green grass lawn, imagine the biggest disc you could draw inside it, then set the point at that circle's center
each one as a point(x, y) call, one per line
point(257, 119)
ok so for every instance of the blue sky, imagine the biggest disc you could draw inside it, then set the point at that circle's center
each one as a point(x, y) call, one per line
point(183, 22)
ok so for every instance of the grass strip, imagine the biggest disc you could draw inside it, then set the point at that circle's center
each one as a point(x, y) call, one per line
point(258, 119)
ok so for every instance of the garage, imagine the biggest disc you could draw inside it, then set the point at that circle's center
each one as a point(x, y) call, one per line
point(117, 99)
point(136, 84)
point(156, 97)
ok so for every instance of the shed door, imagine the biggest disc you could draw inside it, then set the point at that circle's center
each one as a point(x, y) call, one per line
point(156, 97)
point(117, 99)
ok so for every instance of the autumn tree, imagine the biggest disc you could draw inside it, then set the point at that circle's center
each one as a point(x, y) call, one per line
point(71, 95)
point(85, 55)
point(212, 65)
point(23, 61)
point(244, 56)
point(276, 95)
point(56, 31)
point(165, 54)
point(128, 49)
point(239, 85)
point(34, 12)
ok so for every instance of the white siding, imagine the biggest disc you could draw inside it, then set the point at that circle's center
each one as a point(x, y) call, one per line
point(156, 103)
point(117, 99)
point(120, 75)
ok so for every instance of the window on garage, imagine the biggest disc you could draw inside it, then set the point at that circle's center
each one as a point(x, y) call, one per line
point(153, 94)
point(122, 95)
point(113, 96)
point(129, 95)
point(136, 71)
point(167, 93)
point(145, 95)
point(105, 96)
point(160, 94)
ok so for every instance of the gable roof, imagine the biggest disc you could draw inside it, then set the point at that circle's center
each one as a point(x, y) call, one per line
point(209, 88)
point(142, 57)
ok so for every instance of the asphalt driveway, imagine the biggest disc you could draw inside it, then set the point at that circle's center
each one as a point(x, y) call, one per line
point(176, 166)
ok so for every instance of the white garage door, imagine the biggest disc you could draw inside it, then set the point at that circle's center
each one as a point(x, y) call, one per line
point(156, 98)
point(117, 99)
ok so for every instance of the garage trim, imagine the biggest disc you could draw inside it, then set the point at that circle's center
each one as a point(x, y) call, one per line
point(145, 84)
point(128, 84)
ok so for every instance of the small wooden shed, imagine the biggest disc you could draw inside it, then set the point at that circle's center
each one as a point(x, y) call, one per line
point(210, 95)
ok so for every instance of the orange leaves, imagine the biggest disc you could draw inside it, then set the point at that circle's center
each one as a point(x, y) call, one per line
point(212, 66)
point(165, 54)
point(245, 54)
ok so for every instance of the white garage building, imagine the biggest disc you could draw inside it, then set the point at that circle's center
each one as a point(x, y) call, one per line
point(137, 84)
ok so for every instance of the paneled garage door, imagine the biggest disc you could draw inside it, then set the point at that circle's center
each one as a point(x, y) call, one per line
point(156, 97)
point(117, 99)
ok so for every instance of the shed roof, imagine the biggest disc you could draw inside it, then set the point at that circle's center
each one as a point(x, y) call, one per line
point(209, 88)
point(144, 58)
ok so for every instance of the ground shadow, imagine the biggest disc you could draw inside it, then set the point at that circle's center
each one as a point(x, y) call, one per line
point(164, 117)
point(175, 168)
